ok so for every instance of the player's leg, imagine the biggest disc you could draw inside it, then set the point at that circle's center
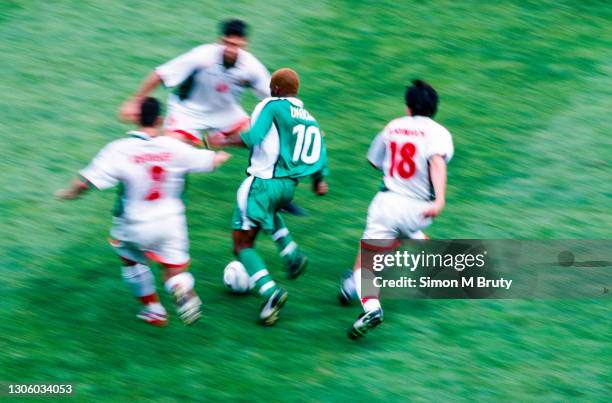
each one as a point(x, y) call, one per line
point(182, 123)
point(295, 260)
point(351, 280)
point(259, 276)
point(379, 234)
point(255, 211)
point(171, 250)
point(139, 278)
point(179, 283)
point(228, 122)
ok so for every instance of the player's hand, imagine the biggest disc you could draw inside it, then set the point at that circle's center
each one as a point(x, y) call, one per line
point(221, 157)
point(435, 209)
point(66, 194)
point(130, 110)
point(320, 187)
point(217, 139)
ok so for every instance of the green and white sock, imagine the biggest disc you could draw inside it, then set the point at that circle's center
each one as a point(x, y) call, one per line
point(287, 248)
point(259, 277)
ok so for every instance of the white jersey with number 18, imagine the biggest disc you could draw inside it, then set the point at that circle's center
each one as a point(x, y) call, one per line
point(403, 150)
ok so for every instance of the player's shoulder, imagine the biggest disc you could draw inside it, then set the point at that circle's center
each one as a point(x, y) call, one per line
point(270, 102)
point(172, 144)
point(120, 144)
point(247, 59)
point(207, 48)
point(436, 128)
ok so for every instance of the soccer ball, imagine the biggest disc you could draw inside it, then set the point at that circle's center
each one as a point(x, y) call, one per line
point(236, 278)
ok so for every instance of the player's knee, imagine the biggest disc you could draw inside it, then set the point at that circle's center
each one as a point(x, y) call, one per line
point(242, 240)
point(173, 270)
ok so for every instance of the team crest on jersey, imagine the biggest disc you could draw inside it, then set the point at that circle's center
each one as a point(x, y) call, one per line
point(222, 87)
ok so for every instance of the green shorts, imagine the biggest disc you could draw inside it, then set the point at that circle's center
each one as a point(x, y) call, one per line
point(259, 200)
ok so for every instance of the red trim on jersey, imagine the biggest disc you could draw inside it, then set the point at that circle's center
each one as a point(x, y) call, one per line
point(156, 258)
point(189, 136)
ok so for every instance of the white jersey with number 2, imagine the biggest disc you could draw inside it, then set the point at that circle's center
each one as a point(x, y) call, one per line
point(152, 171)
point(403, 150)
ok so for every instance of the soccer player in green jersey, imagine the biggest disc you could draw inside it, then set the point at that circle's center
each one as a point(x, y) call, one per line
point(286, 145)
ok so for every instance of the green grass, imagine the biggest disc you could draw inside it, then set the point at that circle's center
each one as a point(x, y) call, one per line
point(526, 89)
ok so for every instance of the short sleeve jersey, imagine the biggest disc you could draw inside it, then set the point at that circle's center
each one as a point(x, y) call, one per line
point(403, 150)
point(204, 84)
point(285, 141)
point(151, 171)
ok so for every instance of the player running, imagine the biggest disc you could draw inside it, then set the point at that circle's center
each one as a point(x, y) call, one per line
point(149, 221)
point(286, 145)
point(412, 151)
point(208, 82)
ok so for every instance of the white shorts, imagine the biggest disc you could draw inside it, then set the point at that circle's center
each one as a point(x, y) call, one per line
point(192, 123)
point(394, 216)
point(164, 240)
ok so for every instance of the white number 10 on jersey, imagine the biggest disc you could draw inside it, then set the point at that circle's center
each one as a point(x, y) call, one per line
point(307, 136)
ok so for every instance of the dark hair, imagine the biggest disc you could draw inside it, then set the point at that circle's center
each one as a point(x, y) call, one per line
point(422, 99)
point(234, 28)
point(150, 110)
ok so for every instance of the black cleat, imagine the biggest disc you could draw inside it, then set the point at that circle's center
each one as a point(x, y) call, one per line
point(271, 308)
point(297, 267)
point(366, 322)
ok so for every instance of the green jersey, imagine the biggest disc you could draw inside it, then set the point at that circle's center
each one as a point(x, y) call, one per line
point(285, 141)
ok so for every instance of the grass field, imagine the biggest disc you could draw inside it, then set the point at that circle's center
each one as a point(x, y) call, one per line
point(526, 89)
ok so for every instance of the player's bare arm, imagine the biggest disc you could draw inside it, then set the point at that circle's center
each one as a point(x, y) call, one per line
point(437, 172)
point(77, 188)
point(221, 140)
point(130, 110)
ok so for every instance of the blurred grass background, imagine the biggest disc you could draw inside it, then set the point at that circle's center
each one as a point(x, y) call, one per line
point(526, 89)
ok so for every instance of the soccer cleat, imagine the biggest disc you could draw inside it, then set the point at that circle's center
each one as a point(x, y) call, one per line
point(153, 318)
point(366, 322)
point(271, 308)
point(297, 266)
point(347, 292)
point(188, 305)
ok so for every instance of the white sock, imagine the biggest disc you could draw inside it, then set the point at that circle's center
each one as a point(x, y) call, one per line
point(139, 278)
point(371, 304)
point(184, 280)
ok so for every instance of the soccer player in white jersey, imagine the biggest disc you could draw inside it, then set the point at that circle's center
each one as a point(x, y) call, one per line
point(149, 223)
point(412, 151)
point(208, 82)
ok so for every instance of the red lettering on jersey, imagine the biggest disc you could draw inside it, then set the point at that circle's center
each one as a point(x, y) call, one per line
point(222, 87)
point(407, 132)
point(150, 157)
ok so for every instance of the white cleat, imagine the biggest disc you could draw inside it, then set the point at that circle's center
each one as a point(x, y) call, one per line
point(152, 317)
point(188, 305)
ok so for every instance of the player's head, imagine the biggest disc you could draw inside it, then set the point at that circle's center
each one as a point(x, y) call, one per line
point(150, 113)
point(234, 37)
point(285, 82)
point(421, 99)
